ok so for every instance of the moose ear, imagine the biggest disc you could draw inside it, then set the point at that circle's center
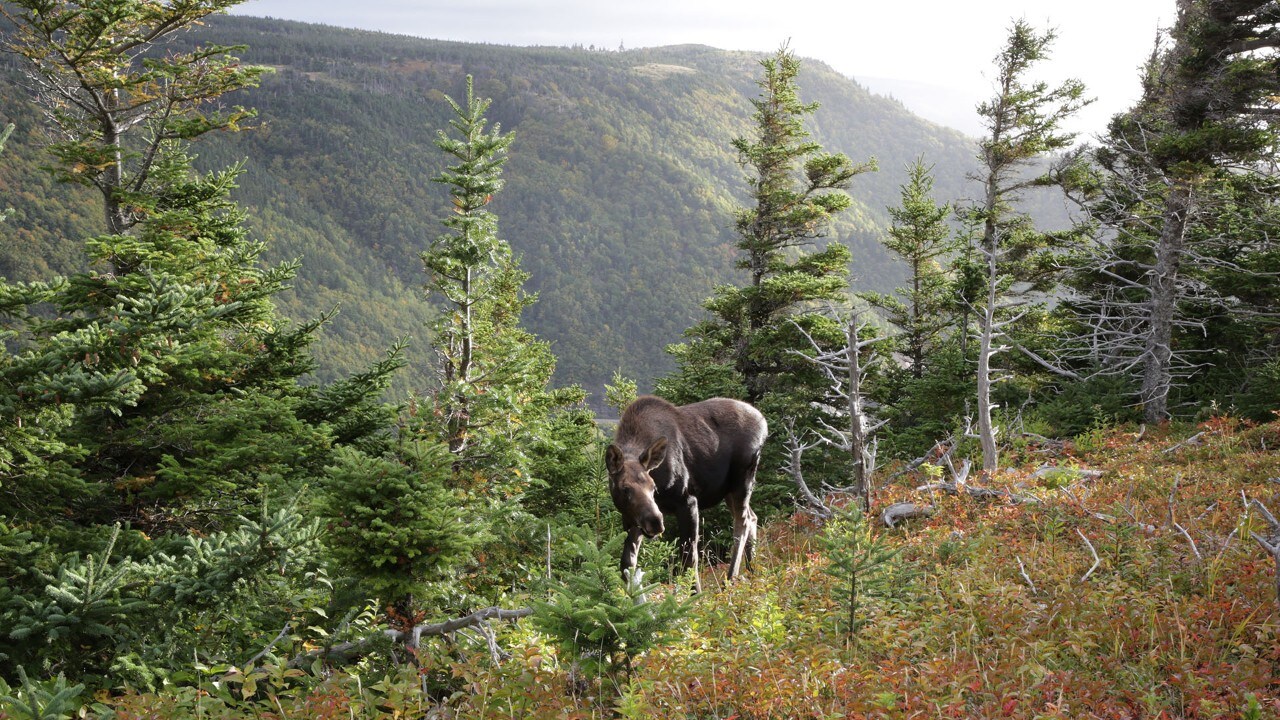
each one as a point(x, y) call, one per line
point(654, 456)
point(613, 460)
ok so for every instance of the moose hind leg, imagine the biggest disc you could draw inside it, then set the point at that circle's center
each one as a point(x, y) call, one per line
point(744, 520)
point(744, 533)
point(688, 523)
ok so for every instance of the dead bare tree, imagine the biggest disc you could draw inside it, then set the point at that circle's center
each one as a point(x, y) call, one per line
point(846, 373)
point(796, 447)
point(991, 330)
point(477, 622)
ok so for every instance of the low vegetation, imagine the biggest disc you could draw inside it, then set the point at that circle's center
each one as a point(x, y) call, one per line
point(1134, 593)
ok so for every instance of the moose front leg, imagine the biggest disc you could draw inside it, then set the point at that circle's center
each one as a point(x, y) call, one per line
point(630, 550)
point(688, 521)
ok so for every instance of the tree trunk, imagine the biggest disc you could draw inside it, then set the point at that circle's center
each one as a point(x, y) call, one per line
point(857, 424)
point(1158, 351)
point(986, 429)
point(110, 184)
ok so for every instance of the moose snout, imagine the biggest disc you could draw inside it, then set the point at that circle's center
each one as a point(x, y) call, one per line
point(651, 527)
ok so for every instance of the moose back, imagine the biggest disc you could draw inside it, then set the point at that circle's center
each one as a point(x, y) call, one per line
point(668, 460)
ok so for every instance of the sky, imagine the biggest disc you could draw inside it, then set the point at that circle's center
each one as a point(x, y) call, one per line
point(933, 55)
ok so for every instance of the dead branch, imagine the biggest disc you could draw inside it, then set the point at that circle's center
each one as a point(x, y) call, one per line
point(261, 653)
point(343, 653)
point(1190, 542)
point(1075, 473)
point(1047, 445)
point(940, 450)
point(1173, 491)
point(899, 512)
point(449, 626)
point(1096, 560)
point(1271, 541)
point(1191, 441)
point(1023, 569)
point(978, 493)
point(794, 467)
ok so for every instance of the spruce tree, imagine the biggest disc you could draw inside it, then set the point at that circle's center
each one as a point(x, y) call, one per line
point(921, 401)
point(493, 374)
point(1176, 285)
point(1024, 123)
point(863, 563)
point(113, 101)
point(152, 402)
point(921, 238)
point(744, 348)
point(604, 622)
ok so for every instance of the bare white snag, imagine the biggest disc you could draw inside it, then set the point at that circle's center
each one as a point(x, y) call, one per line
point(795, 468)
point(846, 374)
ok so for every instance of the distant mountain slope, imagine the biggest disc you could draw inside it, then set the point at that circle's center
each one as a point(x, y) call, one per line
point(621, 184)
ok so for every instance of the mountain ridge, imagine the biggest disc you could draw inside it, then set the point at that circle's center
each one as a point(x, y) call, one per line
point(620, 194)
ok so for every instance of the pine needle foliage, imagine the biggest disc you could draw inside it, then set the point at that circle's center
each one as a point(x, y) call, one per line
point(796, 191)
point(393, 522)
point(863, 563)
point(603, 622)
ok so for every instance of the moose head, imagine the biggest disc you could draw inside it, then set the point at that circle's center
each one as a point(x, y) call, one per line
point(633, 488)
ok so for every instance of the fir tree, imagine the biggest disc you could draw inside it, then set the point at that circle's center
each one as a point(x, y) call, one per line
point(604, 622)
point(152, 403)
point(395, 524)
point(796, 190)
point(114, 102)
point(1178, 284)
point(920, 237)
point(494, 375)
point(747, 347)
point(862, 562)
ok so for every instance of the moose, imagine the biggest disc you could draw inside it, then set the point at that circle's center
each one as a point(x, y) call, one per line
point(681, 460)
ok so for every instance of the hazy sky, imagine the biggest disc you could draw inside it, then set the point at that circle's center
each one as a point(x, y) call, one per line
point(935, 55)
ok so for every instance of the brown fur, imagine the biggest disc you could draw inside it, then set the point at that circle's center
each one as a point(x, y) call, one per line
point(679, 460)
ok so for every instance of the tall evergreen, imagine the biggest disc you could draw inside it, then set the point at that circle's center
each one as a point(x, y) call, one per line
point(1024, 123)
point(113, 102)
point(494, 375)
point(796, 189)
point(921, 238)
point(151, 404)
point(921, 401)
point(1172, 289)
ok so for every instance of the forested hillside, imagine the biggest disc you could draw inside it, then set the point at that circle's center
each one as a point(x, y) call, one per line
point(1035, 479)
point(620, 188)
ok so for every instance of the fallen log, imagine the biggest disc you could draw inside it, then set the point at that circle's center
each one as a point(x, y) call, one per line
point(1070, 473)
point(899, 512)
point(977, 492)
